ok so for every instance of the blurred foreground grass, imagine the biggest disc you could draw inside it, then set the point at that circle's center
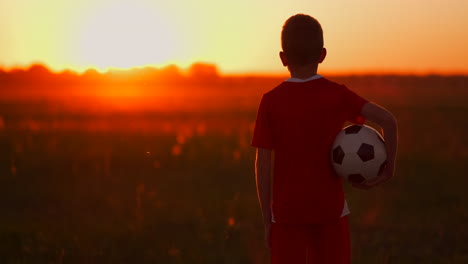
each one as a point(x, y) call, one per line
point(184, 192)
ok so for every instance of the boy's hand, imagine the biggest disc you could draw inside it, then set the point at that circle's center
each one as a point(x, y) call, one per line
point(385, 176)
point(388, 123)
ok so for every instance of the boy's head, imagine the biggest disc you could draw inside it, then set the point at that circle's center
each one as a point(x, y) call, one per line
point(302, 41)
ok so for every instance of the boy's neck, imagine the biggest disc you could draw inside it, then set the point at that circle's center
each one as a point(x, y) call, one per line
point(303, 71)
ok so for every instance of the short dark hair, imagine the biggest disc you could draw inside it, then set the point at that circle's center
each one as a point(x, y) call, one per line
point(302, 39)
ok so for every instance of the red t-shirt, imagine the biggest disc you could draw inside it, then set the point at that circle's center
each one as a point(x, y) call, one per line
point(299, 121)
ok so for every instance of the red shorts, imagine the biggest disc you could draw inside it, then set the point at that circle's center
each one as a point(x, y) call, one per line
point(322, 244)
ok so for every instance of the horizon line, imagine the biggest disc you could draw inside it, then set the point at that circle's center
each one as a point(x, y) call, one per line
point(337, 72)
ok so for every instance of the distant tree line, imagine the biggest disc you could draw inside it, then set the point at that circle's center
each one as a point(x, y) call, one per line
point(38, 74)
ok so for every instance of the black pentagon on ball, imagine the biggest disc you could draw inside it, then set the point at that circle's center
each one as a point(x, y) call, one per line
point(338, 155)
point(356, 178)
point(353, 129)
point(366, 152)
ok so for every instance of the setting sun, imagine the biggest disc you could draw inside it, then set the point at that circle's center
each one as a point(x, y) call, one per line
point(124, 35)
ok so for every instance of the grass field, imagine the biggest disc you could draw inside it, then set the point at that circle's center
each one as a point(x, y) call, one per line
point(87, 182)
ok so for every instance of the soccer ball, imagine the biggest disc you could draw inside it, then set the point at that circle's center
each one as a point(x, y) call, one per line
point(358, 153)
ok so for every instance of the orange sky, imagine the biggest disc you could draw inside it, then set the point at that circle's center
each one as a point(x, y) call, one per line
point(240, 36)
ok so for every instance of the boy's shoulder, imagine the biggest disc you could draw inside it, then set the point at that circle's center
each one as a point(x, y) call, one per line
point(320, 83)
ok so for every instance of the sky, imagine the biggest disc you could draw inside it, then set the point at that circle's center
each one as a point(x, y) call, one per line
point(242, 36)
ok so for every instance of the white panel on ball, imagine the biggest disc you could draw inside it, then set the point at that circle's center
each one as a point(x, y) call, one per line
point(350, 143)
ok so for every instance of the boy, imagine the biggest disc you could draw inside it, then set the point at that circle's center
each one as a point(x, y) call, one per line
point(302, 201)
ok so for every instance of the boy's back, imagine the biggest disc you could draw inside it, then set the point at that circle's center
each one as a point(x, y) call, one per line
point(299, 121)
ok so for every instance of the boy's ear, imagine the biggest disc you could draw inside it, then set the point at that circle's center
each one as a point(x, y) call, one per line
point(283, 58)
point(323, 54)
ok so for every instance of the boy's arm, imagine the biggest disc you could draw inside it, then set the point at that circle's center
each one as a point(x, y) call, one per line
point(263, 180)
point(388, 123)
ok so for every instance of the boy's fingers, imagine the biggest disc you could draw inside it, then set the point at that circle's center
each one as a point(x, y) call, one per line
point(361, 186)
point(379, 180)
point(366, 185)
point(370, 184)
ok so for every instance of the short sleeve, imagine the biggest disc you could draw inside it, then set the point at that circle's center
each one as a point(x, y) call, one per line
point(353, 105)
point(262, 135)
